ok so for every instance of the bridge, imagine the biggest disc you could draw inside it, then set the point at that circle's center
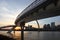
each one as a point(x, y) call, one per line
point(39, 9)
point(5, 28)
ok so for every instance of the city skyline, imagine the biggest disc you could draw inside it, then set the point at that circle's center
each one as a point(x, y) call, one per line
point(45, 21)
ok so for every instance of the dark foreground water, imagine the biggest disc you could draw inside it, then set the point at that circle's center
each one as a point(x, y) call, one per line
point(34, 35)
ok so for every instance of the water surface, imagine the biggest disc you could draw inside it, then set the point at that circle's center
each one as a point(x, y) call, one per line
point(34, 35)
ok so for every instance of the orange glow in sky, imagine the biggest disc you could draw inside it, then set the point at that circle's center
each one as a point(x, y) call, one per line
point(17, 28)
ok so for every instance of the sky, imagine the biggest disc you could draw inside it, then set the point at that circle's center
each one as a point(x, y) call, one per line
point(41, 22)
point(9, 10)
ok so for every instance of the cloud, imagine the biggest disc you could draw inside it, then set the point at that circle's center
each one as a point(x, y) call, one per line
point(6, 16)
point(5, 9)
point(9, 10)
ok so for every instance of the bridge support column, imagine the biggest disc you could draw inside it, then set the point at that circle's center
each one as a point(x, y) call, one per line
point(22, 33)
point(38, 25)
point(22, 24)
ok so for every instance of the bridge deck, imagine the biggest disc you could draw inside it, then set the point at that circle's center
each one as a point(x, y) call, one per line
point(44, 9)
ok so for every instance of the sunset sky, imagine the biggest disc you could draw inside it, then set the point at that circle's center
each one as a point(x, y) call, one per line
point(9, 9)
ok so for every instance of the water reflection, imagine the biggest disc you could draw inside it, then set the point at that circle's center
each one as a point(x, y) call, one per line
point(34, 35)
point(43, 36)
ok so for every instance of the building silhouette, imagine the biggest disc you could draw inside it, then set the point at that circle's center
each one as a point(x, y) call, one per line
point(46, 27)
point(29, 27)
point(53, 26)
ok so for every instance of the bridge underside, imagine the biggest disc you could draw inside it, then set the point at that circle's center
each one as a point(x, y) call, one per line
point(50, 10)
point(40, 15)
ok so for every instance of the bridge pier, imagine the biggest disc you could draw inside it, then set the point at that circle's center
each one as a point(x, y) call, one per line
point(38, 24)
point(22, 24)
point(22, 33)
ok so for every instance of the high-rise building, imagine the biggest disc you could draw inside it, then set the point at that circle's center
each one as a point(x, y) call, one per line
point(53, 25)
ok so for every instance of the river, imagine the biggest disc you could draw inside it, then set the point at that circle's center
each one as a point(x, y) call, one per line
point(34, 35)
